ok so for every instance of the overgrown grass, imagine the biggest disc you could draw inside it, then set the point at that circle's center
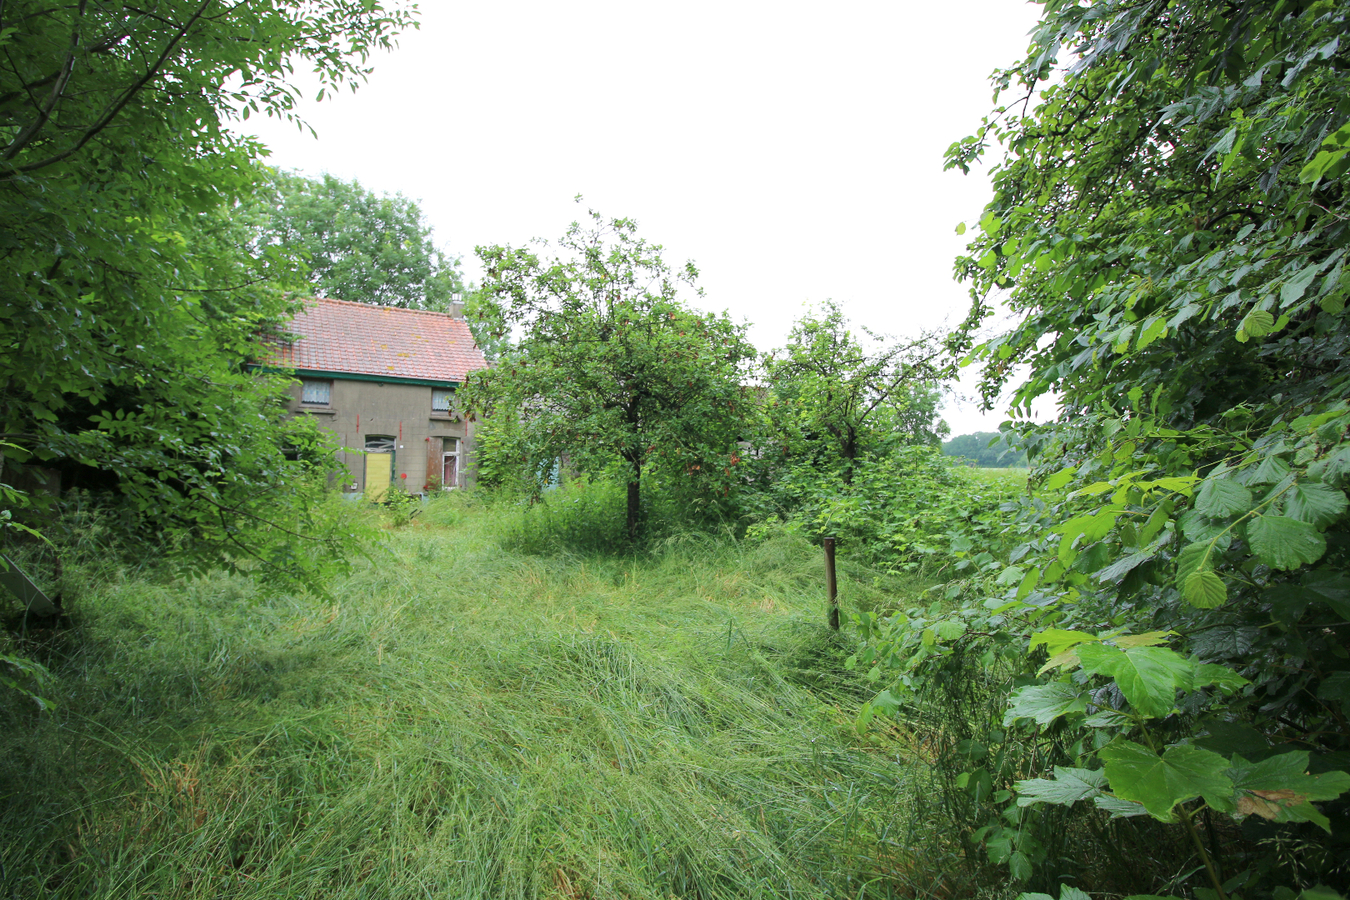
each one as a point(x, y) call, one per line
point(466, 720)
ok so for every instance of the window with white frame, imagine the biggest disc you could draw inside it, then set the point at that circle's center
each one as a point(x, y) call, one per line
point(442, 399)
point(316, 392)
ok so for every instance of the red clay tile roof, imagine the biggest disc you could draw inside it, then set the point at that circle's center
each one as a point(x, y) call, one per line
point(339, 336)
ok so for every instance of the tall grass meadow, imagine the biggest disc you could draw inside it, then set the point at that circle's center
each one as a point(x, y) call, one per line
point(497, 703)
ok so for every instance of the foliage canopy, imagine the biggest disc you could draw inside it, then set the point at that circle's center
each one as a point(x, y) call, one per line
point(835, 400)
point(128, 303)
point(611, 367)
point(358, 245)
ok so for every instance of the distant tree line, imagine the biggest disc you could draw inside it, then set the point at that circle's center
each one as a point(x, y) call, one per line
point(985, 449)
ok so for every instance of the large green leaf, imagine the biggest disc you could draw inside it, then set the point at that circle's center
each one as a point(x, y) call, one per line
point(1147, 639)
point(1198, 527)
point(1256, 323)
point(1149, 677)
point(1057, 640)
point(1288, 772)
point(1067, 787)
point(1280, 789)
point(1219, 497)
point(950, 629)
point(1319, 164)
point(1224, 641)
point(1093, 527)
point(1279, 811)
point(1319, 893)
point(1295, 287)
point(1043, 703)
point(1271, 470)
point(1204, 590)
point(1118, 808)
point(1215, 675)
point(1330, 587)
point(1153, 329)
point(1334, 466)
point(1060, 479)
point(1107, 718)
point(1335, 686)
point(1282, 542)
point(1123, 566)
point(1161, 782)
point(1193, 558)
point(1315, 503)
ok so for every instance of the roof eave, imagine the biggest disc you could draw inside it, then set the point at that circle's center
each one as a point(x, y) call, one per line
point(361, 376)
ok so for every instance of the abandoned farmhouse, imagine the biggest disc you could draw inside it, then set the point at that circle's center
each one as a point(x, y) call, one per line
point(383, 381)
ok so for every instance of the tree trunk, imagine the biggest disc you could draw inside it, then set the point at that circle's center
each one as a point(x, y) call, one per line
point(849, 451)
point(633, 456)
point(634, 502)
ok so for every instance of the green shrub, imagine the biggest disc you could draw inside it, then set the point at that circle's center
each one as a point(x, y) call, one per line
point(1168, 232)
point(1108, 689)
point(898, 513)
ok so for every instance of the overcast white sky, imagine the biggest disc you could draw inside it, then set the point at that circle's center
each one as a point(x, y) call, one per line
point(793, 151)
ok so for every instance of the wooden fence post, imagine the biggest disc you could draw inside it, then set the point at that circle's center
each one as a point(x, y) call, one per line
point(831, 587)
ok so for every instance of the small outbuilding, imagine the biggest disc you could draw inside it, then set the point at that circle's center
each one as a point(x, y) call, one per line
point(383, 380)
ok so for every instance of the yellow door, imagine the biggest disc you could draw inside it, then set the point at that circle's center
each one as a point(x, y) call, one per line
point(379, 470)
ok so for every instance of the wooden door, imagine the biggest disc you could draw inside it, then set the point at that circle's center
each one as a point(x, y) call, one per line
point(379, 472)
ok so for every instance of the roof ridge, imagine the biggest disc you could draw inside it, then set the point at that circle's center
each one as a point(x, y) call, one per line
point(402, 309)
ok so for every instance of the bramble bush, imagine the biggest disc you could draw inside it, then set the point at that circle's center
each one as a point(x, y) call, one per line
point(897, 514)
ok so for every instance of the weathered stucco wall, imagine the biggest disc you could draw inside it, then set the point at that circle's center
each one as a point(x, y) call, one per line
point(359, 410)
